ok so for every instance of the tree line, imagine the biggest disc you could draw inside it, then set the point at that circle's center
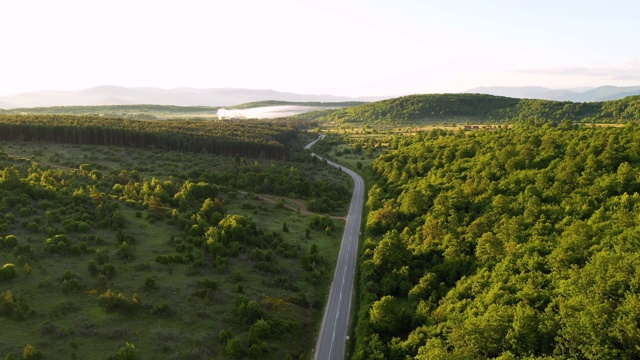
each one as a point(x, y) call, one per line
point(247, 138)
point(116, 110)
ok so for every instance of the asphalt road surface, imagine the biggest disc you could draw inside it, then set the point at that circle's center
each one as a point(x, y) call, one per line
point(335, 323)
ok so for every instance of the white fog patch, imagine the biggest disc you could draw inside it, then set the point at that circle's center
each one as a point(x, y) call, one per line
point(266, 112)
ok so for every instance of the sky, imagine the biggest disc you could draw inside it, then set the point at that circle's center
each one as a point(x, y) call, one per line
point(348, 47)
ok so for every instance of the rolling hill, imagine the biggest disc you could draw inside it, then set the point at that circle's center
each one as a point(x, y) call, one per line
point(602, 93)
point(478, 108)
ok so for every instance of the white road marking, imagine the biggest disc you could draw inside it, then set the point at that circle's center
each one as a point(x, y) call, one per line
point(351, 233)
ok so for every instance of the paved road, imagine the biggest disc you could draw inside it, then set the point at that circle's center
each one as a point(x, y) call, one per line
point(309, 145)
point(335, 323)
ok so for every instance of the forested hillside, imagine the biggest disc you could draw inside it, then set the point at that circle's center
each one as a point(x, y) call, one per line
point(478, 108)
point(246, 138)
point(514, 243)
point(420, 107)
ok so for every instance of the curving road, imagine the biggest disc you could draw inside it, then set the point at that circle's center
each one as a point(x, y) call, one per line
point(332, 338)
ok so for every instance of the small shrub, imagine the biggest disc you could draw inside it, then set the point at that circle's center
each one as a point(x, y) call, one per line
point(110, 301)
point(127, 352)
point(93, 268)
point(10, 241)
point(102, 256)
point(150, 283)
point(256, 351)
point(8, 272)
point(12, 307)
point(30, 353)
point(260, 330)
point(70, 285)
point(328, 230)
point(162, 309)
point(25, 211)
point(33, 227)
point(10, 218)
point(45, 204)
point(234, 348)
point(83, 227)
point(109, 271)
point(224, 336)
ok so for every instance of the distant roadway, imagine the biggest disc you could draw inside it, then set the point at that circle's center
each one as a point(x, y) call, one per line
point(333, 333)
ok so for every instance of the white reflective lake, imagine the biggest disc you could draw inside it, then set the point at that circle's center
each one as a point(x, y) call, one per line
point(266, 112)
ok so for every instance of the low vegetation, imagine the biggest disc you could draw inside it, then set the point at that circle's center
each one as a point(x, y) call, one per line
point(123, 253)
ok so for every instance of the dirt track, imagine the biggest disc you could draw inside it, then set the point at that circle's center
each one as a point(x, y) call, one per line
point(297, 204)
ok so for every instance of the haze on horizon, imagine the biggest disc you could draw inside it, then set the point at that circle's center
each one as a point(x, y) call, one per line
point(348, 48)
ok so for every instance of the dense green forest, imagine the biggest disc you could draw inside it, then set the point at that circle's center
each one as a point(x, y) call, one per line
point(247, 138)
point(107, 251)
point(478, 108)
point(505, 244)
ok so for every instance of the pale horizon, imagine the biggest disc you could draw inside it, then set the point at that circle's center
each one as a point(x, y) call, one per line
point(576, 89)
point(343, 48)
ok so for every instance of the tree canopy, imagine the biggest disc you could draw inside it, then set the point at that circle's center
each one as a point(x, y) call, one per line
point(512, 243)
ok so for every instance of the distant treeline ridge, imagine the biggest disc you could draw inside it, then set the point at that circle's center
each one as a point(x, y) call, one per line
point(247, 138)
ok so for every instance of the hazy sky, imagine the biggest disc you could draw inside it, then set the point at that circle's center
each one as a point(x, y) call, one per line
point(359, 47)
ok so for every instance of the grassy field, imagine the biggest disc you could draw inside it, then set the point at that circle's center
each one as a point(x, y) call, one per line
point(178, 313)
point(351, 160)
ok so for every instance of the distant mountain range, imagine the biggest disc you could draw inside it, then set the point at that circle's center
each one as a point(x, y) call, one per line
point(602, 93)
point(116, 95)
